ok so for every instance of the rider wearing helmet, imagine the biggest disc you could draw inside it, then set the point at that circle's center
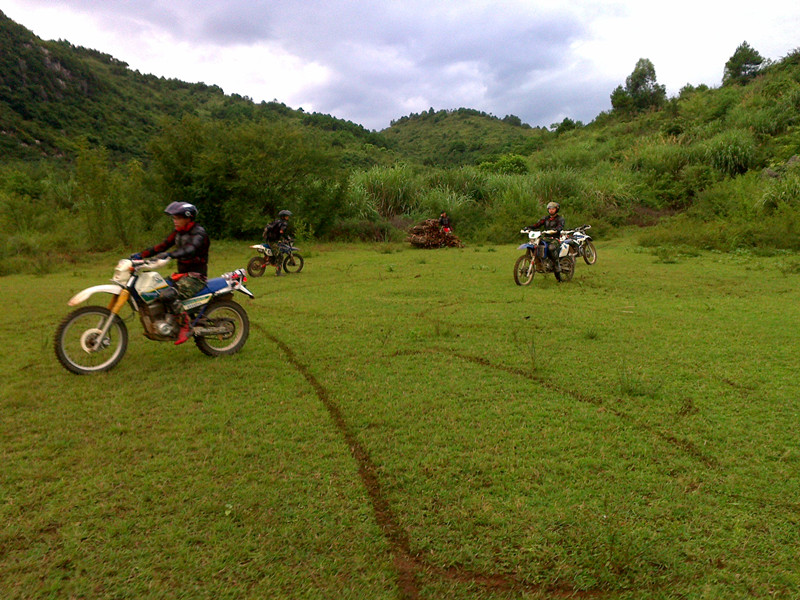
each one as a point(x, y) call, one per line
point(275, 232)
point(191, 243)
point(552, 222)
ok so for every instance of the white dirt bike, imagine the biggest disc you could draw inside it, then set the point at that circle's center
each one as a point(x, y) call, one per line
point(583, 243)
point(92, 339)
point(536, 260)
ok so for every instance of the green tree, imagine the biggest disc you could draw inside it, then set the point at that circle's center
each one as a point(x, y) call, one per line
point(745, 64)
point(641, 92)
point(240, 176)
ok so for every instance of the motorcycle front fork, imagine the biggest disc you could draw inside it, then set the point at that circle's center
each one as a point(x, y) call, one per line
point(114, 305)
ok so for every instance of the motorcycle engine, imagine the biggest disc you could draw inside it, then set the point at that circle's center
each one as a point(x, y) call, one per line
point(166, 326)
point(163, 323)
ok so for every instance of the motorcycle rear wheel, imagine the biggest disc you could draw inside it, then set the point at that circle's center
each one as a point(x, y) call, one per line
point(256, 266)
point(293, 263)
point(589, 253)
point(233, 317)
point(524, 270)
point(77, 335)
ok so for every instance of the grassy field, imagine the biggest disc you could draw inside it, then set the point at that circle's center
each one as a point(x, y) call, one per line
point(411, 424)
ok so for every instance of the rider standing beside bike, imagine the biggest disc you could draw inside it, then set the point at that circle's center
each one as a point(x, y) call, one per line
point(192, 243)
point(275, 232)
point(552, 222)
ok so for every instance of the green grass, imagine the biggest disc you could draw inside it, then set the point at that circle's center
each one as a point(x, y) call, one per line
point(413, 425)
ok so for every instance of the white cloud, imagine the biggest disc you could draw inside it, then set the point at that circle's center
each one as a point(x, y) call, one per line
point(371, 62)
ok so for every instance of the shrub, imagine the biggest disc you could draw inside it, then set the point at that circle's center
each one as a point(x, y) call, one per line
point(389, 191)
point(784, 191)
point(508, 164)
point(474, 183)
point(732, 152)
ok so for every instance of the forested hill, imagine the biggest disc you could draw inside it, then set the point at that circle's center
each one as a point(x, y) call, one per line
point(53, 94)
point(462, 137)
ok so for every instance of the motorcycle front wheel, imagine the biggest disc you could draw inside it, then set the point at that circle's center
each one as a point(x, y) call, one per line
point(293, 263)
point(234, 325)
point(524, 270)
point(256, 266)
point(77, 337)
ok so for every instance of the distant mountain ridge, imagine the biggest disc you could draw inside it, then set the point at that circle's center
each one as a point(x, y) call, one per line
point(53, 94)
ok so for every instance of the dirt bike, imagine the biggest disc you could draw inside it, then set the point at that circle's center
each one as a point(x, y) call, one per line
point(535, 260)
point(92, 339)
point(584, 245)
point(287, 257)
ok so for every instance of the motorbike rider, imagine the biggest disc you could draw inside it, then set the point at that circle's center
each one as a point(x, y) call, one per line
point(552, 222)
point(191, 244)
point(444, 222)
point(277, 232)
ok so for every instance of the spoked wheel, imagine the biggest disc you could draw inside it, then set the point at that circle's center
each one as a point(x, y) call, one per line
point(79, 345)
point(256, 266)
point(567, 269)
point(589, 253)
point(524, 270)
point(230, 326)
point(293, 263)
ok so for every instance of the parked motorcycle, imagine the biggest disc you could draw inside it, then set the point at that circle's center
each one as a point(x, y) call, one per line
point(535, 260)
point(92, 339)
point(584, 244)
point(288, 258)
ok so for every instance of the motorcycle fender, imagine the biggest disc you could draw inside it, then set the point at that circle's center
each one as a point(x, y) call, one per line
point(245, 291)
point(527, 247)
point(84, 295)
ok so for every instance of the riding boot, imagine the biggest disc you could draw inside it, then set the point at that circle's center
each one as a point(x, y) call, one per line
point(186, 329)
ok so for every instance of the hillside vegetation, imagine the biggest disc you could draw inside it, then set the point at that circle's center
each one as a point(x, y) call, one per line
point(92, 151)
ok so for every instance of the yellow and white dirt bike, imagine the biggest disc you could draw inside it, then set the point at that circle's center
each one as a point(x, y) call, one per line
point(92, 339)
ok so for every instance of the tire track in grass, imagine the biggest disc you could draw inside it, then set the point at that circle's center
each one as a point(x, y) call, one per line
point(409, 566)
point(395, 535)
point(684, 445)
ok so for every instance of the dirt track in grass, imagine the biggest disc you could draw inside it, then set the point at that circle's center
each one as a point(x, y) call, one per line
point(410, 568)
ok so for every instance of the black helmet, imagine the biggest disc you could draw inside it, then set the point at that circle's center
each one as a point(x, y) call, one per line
point(555, 205)
point(285, 213)
point(181, 209)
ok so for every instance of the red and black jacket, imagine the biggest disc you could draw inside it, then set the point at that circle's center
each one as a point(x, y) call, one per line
point(191, 249)
point(555, 222)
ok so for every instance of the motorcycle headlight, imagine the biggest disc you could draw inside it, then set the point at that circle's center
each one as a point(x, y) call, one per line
point(122, 272)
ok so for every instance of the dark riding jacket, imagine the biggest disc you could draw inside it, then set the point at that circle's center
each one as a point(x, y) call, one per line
point(555, 222)
point(191, 249)
point(275, 230)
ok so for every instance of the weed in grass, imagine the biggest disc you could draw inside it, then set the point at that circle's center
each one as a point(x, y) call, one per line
point(687, 408)
point(532, 353)
point(665, 256)
point(441, 329)
point(634, 385)
point(591, 334)
point(788, 267)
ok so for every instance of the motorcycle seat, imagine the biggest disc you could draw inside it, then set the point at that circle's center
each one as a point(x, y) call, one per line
point(213, 285)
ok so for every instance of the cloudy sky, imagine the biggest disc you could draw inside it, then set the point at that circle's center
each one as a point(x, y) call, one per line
point(371, 61)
